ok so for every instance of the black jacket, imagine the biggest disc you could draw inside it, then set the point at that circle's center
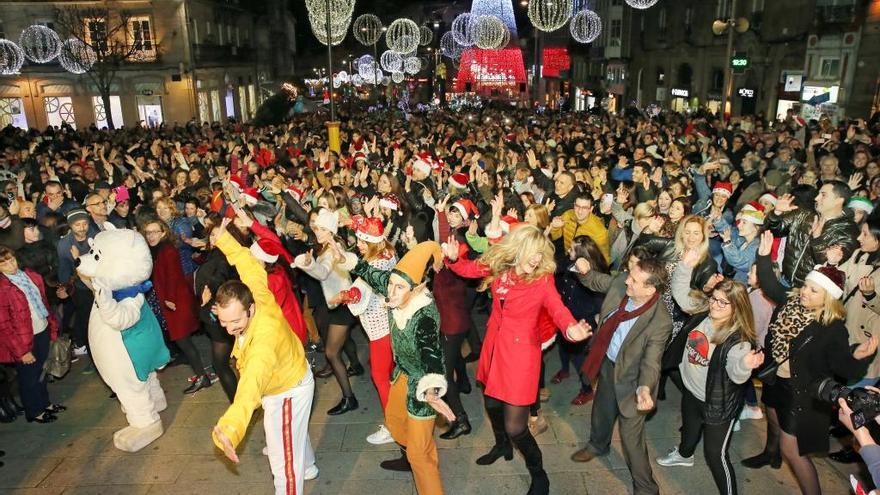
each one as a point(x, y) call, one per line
point(664, 248)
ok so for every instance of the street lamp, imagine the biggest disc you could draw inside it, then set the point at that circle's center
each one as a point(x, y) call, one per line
point(732, 25)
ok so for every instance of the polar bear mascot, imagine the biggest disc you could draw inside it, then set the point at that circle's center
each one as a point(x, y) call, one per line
point(124, 335)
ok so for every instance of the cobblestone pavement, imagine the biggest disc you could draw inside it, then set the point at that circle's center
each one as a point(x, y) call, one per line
point(75, 455)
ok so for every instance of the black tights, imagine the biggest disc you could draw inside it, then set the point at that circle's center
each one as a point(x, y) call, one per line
point(337, 335)
point(510, 423)
point(220, 354)
point(192, 355)
point(802, 466)
point(322, 320)
point(454, 368)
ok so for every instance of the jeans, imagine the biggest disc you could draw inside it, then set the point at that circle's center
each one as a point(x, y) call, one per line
point(31, 383)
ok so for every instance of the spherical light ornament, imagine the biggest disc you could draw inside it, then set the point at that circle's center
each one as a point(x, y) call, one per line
point(586, 26)
point(488, 32)
point(343, 76)
point(367, 29)
point(463, 29)
point(40, 44)
point(11, 57)
point(449, 47)
point(338, 29)
point(357, 80)
point(412, 65)
point(391, 61)
point(641, 4)
point(403, 36)
point(339, 9)
point(368, 69)
point(549, 15)
point(365, 59)
point(426, 36)
point(76, 57)
point(386, 81)
point(397, 77)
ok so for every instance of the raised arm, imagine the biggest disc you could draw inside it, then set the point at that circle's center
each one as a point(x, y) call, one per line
point(251, 272)
point(375, 278)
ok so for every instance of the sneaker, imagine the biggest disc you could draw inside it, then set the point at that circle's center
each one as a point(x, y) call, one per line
point(80, 351)
point(211, 375)
point(89, 369)
point(673, 458)
point(381, 436)
point(751, 412)
point(311, 473)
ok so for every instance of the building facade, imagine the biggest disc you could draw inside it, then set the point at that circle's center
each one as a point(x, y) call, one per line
point(197, 59)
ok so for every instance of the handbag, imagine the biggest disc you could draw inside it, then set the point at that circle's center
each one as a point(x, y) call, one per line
point(57, 362)
point(767, 373)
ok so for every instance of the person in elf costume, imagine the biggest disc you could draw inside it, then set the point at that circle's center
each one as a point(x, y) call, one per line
point(418, 381)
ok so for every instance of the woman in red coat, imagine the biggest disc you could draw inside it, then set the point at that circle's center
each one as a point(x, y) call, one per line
point(176, 298)
point(27, 324)
point(519, 271)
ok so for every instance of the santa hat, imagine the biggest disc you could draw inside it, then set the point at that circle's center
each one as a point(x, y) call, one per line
point(829, 278)
point(251, 195)
point(752, 216)
point(467, 209)
point(237, 183)
point(753, 206)
point(216, 201)
point(422, 163)
point(390, 201)
point(368, 229)
point(267, 250)
point(295, 192)
point(508, 222)
point(328, 220)
point(360, 156)
point(412, 266)
point(861, 203)
point(459, 180)
point(769, 197)
point(723, 188)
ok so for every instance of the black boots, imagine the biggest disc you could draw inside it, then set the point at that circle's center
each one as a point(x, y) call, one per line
point(763, 459)
point(9, 410)
point(401, 464)
point(345, 405)
point(199, 383)
point(457, 428)
point(502, 447)
point(527, 445)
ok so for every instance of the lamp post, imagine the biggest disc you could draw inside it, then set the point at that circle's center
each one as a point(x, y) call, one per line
point(732, 25)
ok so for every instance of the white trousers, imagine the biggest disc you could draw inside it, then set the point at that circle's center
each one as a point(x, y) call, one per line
point(286, 422)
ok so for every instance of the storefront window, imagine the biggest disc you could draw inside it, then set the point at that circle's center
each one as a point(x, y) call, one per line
point(101, 112)
point(252, 93)
point(204, 114)
point(242, 102)
point(59, 110)
point(215, 105)
point(12, 112)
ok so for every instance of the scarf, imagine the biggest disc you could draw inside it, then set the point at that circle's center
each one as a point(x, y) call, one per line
point(134, 290)
point(35, 300)
point(790, 321)
point(600, 343)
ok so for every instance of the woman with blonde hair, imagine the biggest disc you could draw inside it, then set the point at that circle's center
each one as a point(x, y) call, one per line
point(519, 271)
point(715, 362)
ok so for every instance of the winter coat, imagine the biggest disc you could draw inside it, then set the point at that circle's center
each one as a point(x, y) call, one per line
point(592, 228)
point(171, 285)
point(862, 314)
point(16, 325)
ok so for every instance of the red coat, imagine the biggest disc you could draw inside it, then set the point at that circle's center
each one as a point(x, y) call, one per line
point(510, 362)
point(282, 289)
point(450, 289)
point(172, 285)
point(16, 329)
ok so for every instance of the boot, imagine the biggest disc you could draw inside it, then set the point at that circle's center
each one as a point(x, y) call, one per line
point(355, 370)
point(502, 447)
point(201, 382)
point(765, 458)
point(12, 408)
point(527, 445)
point(5, 417)
point(464, 385)
point(401, 464)
point(345, 405)
point(459, 427)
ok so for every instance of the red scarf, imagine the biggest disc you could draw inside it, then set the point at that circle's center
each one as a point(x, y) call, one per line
point(600, 343)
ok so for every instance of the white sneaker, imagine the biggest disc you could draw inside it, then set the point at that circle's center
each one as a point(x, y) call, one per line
point(673, 458)
point(311, 473)
point(381, 436)
point(80, 351)
point(751, 412)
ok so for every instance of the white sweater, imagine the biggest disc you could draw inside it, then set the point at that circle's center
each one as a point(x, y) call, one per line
point(332, 277)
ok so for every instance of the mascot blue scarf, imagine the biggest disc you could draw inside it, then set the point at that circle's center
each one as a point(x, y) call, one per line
point(143, 340)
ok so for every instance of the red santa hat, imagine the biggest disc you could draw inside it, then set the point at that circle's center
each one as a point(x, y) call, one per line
point(237, 183)
point(459, 180)
point(829, 278)
point(753, 206)
point(295, 192)
point(359, 156)
point(268, 250)
point(723, 188)
point(423, 163)
point(769, 197)
point(390, 201)
point(368, 229)
point(467, 209)
point(251, 195)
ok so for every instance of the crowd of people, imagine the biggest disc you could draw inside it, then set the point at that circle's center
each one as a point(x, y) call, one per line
point(736, 259)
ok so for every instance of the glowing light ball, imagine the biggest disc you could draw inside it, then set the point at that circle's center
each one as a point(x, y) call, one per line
point(367, 29)
point(11, 57)
point(549, 15)
point(39, 43)
point(586, 26)
point(403, 36)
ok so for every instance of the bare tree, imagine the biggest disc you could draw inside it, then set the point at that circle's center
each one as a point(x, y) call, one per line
point(113, 39)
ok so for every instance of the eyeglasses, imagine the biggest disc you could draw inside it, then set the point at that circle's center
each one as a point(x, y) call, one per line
point(721, 303)
point(153, 232)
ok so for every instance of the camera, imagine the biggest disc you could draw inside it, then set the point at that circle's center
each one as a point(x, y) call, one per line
point(864, 403)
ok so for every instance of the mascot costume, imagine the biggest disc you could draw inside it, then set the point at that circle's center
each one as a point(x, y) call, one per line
point(124, 335)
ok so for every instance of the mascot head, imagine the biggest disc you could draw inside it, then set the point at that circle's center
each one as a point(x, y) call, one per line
point(118, 259)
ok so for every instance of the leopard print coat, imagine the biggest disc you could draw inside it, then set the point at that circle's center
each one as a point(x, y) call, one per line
point(791, 319)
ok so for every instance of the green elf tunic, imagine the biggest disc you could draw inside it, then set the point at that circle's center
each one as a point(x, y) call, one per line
point(415, 341)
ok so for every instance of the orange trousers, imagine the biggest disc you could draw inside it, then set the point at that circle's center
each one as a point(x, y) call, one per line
point(416, 435)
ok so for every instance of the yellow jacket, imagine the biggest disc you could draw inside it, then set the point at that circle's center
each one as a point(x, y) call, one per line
point(270, 359)
point(593, 227)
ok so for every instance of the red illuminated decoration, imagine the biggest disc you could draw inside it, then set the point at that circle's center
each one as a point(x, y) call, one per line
point(555, 61)
point(491, 69)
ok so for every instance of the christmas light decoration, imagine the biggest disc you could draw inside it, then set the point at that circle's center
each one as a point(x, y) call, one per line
point(489, 32)
point(391, 61)
point(549, 15)
point(502, 9)
point(412, 65)
point(343, 76)
point(367, 29)
point(502, 68)
point(368, 69)
point(340, 18)
point(339, 9)
point(366, 59)
point(397, 77)
point(76, 57)
point(586, 26)
point(39, 43)
point(11, 57)
point(426, 36)
point(641, 4)
point(449, 47)
point(463, 29)
point(555, 61)
point(403, 36)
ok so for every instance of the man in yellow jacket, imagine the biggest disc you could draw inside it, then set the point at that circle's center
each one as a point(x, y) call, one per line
point(580, 221)
point(273, 372)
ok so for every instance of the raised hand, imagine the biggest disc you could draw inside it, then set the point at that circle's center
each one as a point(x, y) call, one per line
point(766, 244)
point(866, 286)
point(785, 204)
point(691, 257)
point(834, 255)
point(582, 265)
point(450, 249)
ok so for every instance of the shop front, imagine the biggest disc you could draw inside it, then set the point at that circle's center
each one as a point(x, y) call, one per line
point(679, 99)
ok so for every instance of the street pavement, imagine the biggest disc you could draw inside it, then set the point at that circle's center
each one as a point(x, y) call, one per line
point(75, 455)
